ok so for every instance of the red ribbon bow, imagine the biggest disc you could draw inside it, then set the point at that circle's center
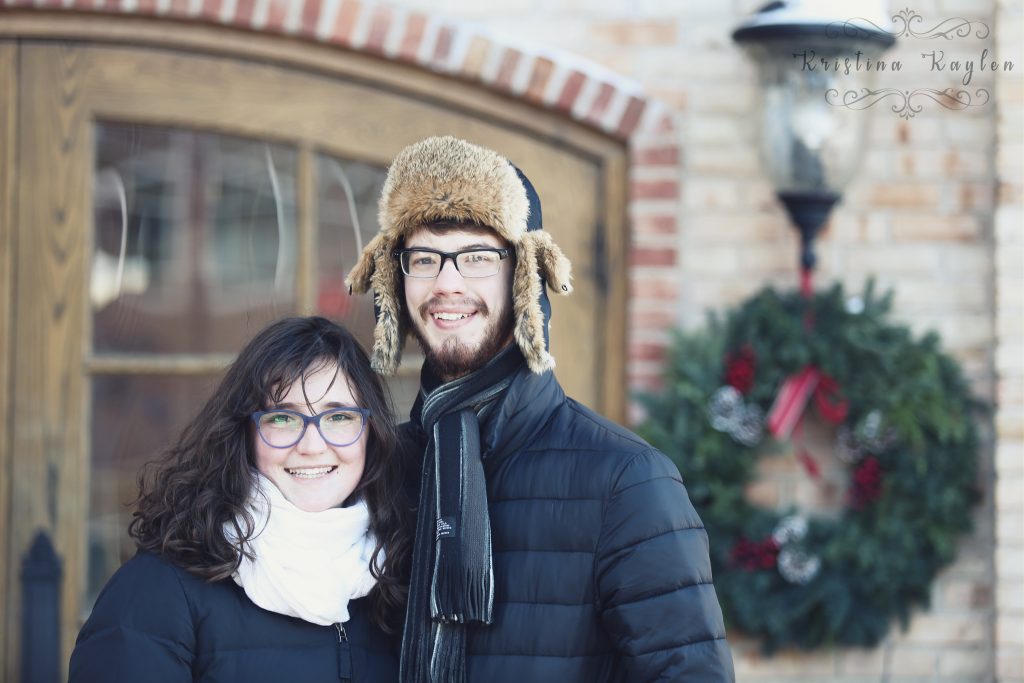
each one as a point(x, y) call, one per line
point(788, 409)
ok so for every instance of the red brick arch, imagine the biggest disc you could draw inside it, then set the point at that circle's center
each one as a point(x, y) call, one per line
point(549, 79)
point(555, 81)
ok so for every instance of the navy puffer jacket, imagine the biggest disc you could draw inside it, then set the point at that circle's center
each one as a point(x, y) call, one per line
point(600, 562)
point(157, 623)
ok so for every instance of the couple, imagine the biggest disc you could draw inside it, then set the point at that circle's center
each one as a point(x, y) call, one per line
point(547, 545)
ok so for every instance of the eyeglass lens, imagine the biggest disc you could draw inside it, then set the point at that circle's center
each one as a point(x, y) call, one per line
point(477, 263)
point(338, 427)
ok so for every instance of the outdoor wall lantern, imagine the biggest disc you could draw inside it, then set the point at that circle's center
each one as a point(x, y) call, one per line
point(810, 144)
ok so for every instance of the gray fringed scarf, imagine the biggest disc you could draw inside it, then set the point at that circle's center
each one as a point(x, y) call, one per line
point(452, 583)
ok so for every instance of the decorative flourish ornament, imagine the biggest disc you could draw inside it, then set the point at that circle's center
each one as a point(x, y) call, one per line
point(904, 425)
point(909, 19)
point(904, 107)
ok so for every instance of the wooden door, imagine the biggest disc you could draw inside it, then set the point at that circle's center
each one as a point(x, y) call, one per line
point(148, 186)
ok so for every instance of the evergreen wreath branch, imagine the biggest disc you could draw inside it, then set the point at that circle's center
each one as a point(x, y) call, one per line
point(908, 422)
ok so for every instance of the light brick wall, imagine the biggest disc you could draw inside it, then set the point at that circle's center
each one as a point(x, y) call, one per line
point(1009, 359)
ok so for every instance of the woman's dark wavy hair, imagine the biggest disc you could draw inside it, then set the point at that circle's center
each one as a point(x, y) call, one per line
point(205, 480)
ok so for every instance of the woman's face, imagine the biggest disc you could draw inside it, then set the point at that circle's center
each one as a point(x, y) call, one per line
point(313, 475)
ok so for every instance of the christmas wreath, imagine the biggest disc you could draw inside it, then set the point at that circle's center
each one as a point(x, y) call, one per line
point(903, 423)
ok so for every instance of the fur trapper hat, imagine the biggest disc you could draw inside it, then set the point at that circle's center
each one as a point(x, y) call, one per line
point(447, 179)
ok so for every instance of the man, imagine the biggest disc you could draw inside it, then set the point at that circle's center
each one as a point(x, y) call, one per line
point(551, 544)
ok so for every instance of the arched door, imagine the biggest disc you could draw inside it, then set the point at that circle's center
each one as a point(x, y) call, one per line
point(166, 204)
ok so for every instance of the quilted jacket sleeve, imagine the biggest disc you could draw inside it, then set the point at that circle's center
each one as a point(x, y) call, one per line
point(141, 629)
point(658, 604)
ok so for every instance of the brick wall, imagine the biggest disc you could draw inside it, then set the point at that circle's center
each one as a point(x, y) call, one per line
point(1009, 361)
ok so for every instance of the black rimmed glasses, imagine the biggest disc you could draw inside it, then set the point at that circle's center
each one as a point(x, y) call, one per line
point(475, 262)
point(284, 428)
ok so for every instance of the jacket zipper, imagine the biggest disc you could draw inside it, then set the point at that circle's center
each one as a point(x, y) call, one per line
point(344, 654)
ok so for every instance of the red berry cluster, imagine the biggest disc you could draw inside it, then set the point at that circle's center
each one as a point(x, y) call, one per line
point(867, 483)
point(740, 367)
point(754, 555)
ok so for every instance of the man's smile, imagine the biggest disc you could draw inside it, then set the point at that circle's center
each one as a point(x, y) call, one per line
point(449, 316)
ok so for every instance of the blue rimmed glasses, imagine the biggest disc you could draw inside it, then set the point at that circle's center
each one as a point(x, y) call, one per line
point(284, 428)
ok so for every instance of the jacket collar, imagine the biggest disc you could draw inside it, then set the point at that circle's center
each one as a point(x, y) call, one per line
point(528, 404)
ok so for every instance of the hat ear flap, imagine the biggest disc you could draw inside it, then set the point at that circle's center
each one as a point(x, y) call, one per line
point(553, 264)
point(527, 292)
point(360, 277)
point(378, 270)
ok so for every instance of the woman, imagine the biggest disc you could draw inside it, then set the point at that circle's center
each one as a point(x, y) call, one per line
point(272, 537)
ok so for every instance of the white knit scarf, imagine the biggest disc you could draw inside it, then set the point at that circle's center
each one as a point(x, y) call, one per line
point(308, 564)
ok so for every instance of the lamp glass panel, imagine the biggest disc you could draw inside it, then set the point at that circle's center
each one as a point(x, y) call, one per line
point(807, 144)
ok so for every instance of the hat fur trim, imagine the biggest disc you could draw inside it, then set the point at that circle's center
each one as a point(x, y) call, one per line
point(447, 179)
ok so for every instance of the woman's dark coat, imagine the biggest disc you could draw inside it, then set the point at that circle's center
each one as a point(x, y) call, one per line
point(601, 564)
point(156, 623)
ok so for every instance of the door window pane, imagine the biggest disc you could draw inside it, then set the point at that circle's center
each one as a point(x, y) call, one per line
point(347, 194)
point(195, 239)
point(135, 418)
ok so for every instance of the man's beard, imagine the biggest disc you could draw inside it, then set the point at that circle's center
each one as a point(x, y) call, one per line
point(454, 359)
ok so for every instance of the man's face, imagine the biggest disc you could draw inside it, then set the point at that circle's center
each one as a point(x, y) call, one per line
point(460, 322)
